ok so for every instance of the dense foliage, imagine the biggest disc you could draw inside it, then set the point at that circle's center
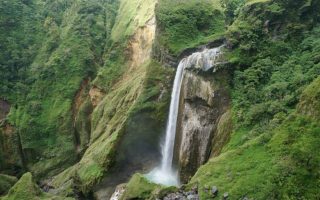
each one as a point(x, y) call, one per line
point(189, 23)
point(16, 50)
point(50, 49)
point(272, 151)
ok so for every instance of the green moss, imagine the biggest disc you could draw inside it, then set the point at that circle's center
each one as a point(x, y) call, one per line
point(6, 182)
point(246, 171)
point(296, 142)
point(108, 122)
point(250, 2)
point(25, 188)
point(114, 66)
point(132, 14)
point(309, 103)
point(281, 164)
point(140, 188)
point(114, 119)
point(189, 23)
point(158, 81)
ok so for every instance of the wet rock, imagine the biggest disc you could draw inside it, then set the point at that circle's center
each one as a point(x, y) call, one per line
point(195, 189)
point(118, 192)
point(193, 197)
point(175, 196)
point(214, 190)
point(183, 195)
point(198, 121)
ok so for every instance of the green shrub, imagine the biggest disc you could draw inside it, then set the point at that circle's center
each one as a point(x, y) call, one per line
point(185, 24)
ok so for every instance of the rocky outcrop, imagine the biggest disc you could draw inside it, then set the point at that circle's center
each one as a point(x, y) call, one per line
point(4, 109)
point(11, 155)
point(96, 95)
point(140, 44)
point(204, 101)
point(26, 188)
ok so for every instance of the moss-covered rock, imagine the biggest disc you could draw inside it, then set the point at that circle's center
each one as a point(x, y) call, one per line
point(6, 182)
point(120, 129)
point(140, 188)
point(26, 188)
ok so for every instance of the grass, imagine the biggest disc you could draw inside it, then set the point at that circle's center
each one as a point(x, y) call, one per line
point(281, 164)
point(247, 171)
point(132, 14)
point(187, 24)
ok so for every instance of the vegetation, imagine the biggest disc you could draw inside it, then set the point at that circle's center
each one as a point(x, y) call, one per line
point(271, 154)
point(69, 44)
point(6, 182)
point(53, 52)
point(132, 14)
point(139, 188)
point(275, 90)
point(187, 24)
point(124, 125)
point(25, 188)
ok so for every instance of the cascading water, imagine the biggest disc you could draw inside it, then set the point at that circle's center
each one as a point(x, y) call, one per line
point(165, 173)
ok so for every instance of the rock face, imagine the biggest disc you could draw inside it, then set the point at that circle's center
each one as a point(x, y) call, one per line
point(204, 100)
point(4, 109)
point(140, 44)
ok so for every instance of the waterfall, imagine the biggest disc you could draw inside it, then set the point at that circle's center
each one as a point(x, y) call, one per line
point(167, 150)
point(165, 174)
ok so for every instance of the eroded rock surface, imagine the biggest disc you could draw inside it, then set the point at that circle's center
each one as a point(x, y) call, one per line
point(205, 99)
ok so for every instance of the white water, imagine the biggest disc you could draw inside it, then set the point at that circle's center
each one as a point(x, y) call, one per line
point(165, 173)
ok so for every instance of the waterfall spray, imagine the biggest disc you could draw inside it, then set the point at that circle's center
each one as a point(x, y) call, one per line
point(165, 173)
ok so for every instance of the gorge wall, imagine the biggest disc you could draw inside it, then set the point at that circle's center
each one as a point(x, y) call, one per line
point(205, 99)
